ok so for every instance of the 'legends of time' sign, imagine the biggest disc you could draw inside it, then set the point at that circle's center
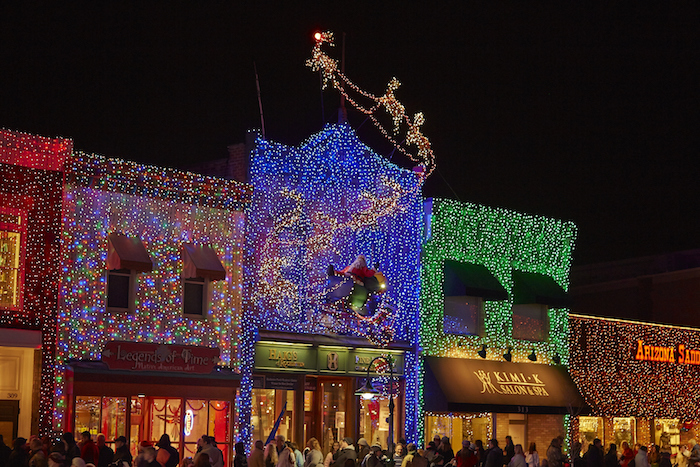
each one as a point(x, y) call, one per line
point(655, 353)
point(143, 356)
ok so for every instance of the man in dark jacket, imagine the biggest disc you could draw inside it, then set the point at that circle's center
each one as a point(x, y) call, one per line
point(121, 453)
point(167, 455)
point(494, 458)
point(594, 455)
point(5, 451)
point(347, 452)
point(18, 456)
point(106, 453)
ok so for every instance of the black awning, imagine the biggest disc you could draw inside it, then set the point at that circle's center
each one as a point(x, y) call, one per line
point(472, 279)
point(202, 261)
point(466, 385)
point(127, 253)
point(531, 287)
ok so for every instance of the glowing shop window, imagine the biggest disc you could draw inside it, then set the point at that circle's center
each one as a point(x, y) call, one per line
point(471, 426)
point(10, 270)
point(624, 430)
point(165, 419)
point(334, 410)
point(374, 426)
point(463, 315)
point(530, 322)
point(87, 414)
point(590, 428)
point(195, 424)
point(113, 417)
point(267, 405)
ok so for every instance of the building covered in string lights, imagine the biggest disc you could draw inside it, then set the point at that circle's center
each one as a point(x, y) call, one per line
point(150, 303)
point(30, 227)
point(315, 209)
point(639, 377)
point(494, 329)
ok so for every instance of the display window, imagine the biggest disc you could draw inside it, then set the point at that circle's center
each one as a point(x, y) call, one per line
point(624, 430)
point(590, 428)
point(374, 418)
point(148, 418)
point(667, 434)
point(470, 426)
point(266, 407)
point(334, 409)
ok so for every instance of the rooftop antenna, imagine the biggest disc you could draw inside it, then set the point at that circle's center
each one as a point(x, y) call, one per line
point(257, 85)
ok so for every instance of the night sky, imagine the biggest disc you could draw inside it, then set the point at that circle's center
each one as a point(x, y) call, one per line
point(563, 109)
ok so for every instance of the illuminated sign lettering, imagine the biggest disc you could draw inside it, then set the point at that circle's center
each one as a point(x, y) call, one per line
point(655, 353)
point(501, 382)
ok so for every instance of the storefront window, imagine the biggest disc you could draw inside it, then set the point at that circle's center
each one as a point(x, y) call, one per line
point(667, 434)
point(87, 414)
point(308, 412)
point(530, 322)
point(165, 419)
point(624, 430)
point(113, 417)
point(373, 420)
point(471, 426)
point(267, 405)
point(589, 428)
point(334, 409)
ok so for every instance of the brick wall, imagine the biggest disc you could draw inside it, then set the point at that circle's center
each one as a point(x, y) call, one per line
point(542, 428)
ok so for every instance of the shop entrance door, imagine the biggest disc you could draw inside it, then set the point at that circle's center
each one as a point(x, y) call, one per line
point(9, 419)
point(334, 405)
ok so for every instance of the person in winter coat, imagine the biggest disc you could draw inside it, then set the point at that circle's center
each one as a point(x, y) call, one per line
point(518, 459)
point(641, 460)
point(682, 456)
point(257, 456)
point(532, 458)
point(594, 455)
point(121, 452)
point(363, 449)
point(18, 456)
point(167, 455)
point(509, 450)
point(72, 449)
point(240, 460)
point(106, 453)
point(89, 451)
point(466, 457)
point(314, 457)
point(37, 458)
point(347, 452)
point(494, 458)
point(286, 458)
point(554, 454)
point(627, 454)
point(610, 459)
point(332, 454)
point(215, 456)
point(445, 450)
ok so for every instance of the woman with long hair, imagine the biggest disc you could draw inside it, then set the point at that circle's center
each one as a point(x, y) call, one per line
point(270, 455)
point(202, 460)
point(532, 458)
point(314, 457)
point(332, 454)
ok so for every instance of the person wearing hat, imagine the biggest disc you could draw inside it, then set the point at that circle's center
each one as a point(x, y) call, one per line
point(347, 452)
point(374, 458)
point(363, 448)
point(121, 451)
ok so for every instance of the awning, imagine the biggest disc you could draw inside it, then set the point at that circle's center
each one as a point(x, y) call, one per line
point(466, 385)
point(127, 253)
point(531, 287)
point(202, 261)
point(472, 279)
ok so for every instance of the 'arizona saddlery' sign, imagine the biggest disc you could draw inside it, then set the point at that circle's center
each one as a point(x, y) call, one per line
point(142, 356)
point(658, 353)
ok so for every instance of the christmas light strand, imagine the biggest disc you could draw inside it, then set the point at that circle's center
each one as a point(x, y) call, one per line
point(328, 67)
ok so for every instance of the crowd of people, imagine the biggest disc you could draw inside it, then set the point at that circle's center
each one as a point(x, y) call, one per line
point(85, 452)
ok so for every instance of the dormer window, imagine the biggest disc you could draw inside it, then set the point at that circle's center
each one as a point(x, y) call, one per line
point(126, 257)
point(533, 295)
point(466, 287)
point(201, 266)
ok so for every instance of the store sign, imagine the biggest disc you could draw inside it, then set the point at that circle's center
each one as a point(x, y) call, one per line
point(140, 356)
point(284, 357)
point(322, 359)
point(501, 382)
point(655, 353)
